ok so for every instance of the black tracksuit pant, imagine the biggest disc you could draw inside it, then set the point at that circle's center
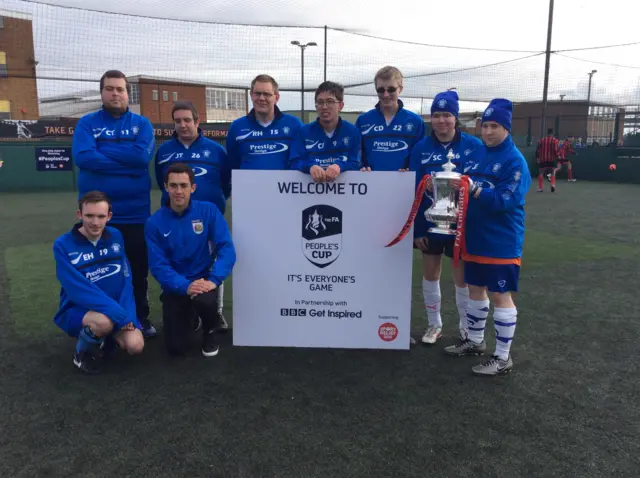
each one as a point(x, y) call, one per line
point(179, 315)
point(135, 246)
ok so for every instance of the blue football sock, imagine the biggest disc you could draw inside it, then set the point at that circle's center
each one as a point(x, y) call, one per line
point(86, 340)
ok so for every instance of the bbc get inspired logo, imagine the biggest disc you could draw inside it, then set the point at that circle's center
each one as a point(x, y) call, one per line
point(388, 332)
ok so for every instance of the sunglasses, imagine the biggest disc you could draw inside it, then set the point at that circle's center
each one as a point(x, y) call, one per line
point(390, 89)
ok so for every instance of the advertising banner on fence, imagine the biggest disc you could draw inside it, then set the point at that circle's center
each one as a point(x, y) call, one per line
point(26, 130)
point(53, 159)
point(313, 269)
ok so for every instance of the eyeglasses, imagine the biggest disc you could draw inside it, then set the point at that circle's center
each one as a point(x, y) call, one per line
point(390, 89)
point(258, 94)
point(329, 103)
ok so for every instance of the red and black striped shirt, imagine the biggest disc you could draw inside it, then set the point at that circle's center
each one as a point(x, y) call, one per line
point(565, 150)
point(547, 150)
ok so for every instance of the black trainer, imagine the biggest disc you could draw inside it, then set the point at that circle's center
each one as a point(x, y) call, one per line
point(86, 363)
point(148, 330)
point(210, 347)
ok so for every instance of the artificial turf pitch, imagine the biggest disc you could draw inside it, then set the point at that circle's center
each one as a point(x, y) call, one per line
point(569, 408)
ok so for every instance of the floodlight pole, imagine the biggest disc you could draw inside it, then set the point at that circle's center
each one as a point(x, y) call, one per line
point(302, 49)
point(586, 126)
point(325, 52)
point(545, 90)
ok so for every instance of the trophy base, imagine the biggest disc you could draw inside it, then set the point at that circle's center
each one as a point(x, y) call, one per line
point(442, 230)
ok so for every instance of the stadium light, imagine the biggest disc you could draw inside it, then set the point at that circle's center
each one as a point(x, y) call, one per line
point(586, 126)
point(302, 49)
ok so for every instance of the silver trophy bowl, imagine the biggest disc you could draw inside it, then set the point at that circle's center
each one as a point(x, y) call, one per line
point(444, 210)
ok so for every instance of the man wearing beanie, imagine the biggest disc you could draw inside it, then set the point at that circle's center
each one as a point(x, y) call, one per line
point(427, 157)
point(492, 238)
point(388, 131)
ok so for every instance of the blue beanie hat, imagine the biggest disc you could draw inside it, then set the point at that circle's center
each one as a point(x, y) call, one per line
point(500, 111)
point(446, 101)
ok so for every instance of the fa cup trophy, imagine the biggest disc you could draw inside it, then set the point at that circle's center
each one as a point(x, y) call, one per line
point(444, 210)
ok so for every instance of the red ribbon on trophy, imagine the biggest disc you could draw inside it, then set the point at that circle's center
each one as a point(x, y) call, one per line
point(414, 211)
point(463, 202)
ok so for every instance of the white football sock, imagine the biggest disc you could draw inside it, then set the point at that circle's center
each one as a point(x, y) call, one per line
point(504, 320)
point(477, 313)
point(462, 297)
point(432, 299)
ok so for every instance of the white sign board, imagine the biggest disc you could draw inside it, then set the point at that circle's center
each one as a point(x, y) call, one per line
point(312, 268)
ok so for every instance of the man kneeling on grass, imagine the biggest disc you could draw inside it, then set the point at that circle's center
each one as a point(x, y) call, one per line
point(190, 254)
point(96, 300)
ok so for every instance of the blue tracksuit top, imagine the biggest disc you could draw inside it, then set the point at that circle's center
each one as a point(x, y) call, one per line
point(253, 146)
point(210, 165)
point(187, 247)
point(495, 221)
point(387, 148)
point(96, 277)
point(428, 156)
point(113, 156)
point(312, 147)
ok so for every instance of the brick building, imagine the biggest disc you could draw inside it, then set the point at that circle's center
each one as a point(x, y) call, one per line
point(590, 121)
point(154, 97)
point(18, 89)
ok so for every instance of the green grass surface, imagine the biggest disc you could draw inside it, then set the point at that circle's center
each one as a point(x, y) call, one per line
point(568, 409)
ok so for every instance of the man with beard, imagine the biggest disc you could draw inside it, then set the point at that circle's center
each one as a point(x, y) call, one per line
point(112, 148)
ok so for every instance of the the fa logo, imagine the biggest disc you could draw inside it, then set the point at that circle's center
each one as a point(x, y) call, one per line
point(442, 103)
point(496, 167)
point(198, 227)
point(321, 234)
point(409, 127)
point(116, 248)
point(135, 130)
point(286, 130)
point(345, 141)
point(206, 153)
point(516, 176)
point(489, 112)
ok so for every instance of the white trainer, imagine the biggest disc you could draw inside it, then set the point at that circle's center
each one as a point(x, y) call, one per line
point(432, 334)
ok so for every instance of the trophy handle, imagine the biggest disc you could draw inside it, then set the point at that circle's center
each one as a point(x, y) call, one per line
point(434, 187)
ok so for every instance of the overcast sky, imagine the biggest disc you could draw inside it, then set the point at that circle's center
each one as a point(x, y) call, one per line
point(79, 44)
